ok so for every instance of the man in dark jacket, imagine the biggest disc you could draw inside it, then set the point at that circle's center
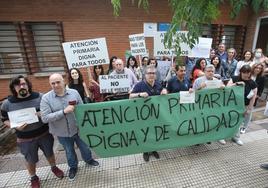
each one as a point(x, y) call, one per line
point(30, 137)
point(145, 88)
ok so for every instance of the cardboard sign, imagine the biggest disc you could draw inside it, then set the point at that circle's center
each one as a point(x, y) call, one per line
point(114, 83)
point(85, 53)
point(161, 50)
point(202, 48)
point(137, 44)
point(149, 29)
point(163, 67)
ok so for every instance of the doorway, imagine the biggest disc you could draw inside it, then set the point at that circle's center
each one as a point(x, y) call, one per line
point(262, 40)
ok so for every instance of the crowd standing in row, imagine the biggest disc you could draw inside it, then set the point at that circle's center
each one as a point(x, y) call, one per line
point(55, 109)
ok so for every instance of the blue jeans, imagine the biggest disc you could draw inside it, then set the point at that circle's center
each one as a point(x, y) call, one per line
point(247, 119)
point(68, 145)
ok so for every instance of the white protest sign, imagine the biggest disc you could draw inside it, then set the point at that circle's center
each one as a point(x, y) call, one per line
point(159, 47)
point(213, 83)
point(187, 97)
point(114, 83)
point(163, 67)
point(202, 48)
point(137, 44)
point(85, 53)
point(20, 117)
point(149, 29)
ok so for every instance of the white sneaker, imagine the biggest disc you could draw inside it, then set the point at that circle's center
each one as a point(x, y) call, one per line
point(243, 130)
point(237, 141)
point(223, 142)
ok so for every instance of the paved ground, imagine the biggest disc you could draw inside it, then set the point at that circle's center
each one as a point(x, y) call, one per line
point(212, 165)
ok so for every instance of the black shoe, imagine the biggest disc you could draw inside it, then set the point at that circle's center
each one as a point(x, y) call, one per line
point(146, 156)
point(156, 155)
point(208, 142)
point(72, 173)
point(93, 162)
point(264, 166)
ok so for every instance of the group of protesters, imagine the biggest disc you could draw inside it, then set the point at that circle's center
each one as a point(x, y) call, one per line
point(55, 109)
point(192, 74)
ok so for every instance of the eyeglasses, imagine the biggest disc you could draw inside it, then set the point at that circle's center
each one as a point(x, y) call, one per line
point(150, 73)
point(22, 84)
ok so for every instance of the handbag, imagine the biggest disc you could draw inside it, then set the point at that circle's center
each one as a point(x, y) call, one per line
point(266, 109)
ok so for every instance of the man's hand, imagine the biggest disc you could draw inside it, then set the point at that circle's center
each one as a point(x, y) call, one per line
point(164, 91)
point(203, 85)
point(20, 128)
point(191, 90)
point(222, 86)
point(38, 114)
point(68, 109)
point(240, 83)
point(143, 94)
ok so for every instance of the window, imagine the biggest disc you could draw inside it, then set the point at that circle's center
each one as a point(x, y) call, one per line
point(12, 56)
point(30, 47)
point(232, 36)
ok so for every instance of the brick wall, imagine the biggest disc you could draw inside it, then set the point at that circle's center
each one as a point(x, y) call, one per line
point(251, 28)
point(85, 19)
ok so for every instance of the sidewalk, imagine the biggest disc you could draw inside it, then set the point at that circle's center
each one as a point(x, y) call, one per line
point(208, 165)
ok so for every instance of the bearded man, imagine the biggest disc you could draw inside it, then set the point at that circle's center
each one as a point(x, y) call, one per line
point(30, 137)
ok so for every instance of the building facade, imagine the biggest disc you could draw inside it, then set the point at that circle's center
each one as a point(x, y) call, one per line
point(31, 33)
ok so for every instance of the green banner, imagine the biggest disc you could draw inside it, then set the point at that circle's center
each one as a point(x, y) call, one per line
point(156, 123)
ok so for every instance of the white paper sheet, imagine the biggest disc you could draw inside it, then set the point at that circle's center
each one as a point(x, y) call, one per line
point(186, 97)
point(20, 117)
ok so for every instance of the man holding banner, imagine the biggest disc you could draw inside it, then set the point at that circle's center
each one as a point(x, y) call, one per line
point(145, 88)
point(209, 81)
point(179, 82)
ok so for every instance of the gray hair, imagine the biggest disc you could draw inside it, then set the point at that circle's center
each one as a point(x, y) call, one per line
point(210, 67)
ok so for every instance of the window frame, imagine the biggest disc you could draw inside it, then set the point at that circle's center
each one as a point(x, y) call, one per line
point(35, 59)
